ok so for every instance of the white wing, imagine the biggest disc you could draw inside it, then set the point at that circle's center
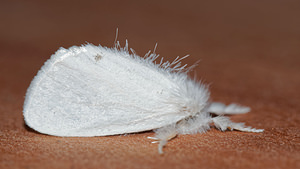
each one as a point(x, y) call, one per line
point(96, 91)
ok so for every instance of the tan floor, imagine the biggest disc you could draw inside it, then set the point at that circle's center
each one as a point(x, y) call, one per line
point(249, 51)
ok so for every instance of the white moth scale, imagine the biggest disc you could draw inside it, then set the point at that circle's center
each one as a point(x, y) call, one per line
point(92, 90)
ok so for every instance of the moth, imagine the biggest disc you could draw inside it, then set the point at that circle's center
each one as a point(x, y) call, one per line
point(89, 90)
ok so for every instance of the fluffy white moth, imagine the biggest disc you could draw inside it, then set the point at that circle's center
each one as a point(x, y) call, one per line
point(98, 91)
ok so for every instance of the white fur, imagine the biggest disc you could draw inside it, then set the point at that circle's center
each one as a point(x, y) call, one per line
point(98, 91)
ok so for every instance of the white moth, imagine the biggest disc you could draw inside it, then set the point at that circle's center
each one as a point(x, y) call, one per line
point(98, 91)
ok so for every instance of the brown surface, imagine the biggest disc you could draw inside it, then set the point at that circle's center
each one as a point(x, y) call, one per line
point(249, 51)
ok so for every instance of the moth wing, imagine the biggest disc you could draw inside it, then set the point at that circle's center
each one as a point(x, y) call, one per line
point(97, 91)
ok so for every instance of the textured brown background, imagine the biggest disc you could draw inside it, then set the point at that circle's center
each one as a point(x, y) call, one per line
point(249, 51)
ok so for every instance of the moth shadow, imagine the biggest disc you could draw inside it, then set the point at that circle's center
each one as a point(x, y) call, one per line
point(216, 115)
point(29, 129)
point(127, 134)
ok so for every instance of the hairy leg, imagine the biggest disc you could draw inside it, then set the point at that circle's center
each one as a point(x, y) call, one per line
point(224, 123)
point(220, 108)
point(162, 135)
point(201, 123)
point(192, 125)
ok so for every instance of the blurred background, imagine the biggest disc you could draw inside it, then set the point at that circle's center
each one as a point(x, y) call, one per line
point(248, 51)
point(256, 36)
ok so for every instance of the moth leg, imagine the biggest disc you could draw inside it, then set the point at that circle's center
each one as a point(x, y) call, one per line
point(162, 135)
point(195, 124)
point(220, 108)
point(224, 123)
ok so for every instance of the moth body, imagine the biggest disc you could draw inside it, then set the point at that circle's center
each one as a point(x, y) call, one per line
point(97, 91)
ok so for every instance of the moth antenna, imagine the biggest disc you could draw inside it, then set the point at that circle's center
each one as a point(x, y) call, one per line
point(133, 51)
point(154, 48)
point(117, 45)
point(175, 60)
point(192, 66)
point(115, 42)
point(181, 58)
point(126, 46)
point(161, 61)
point(147, 54)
